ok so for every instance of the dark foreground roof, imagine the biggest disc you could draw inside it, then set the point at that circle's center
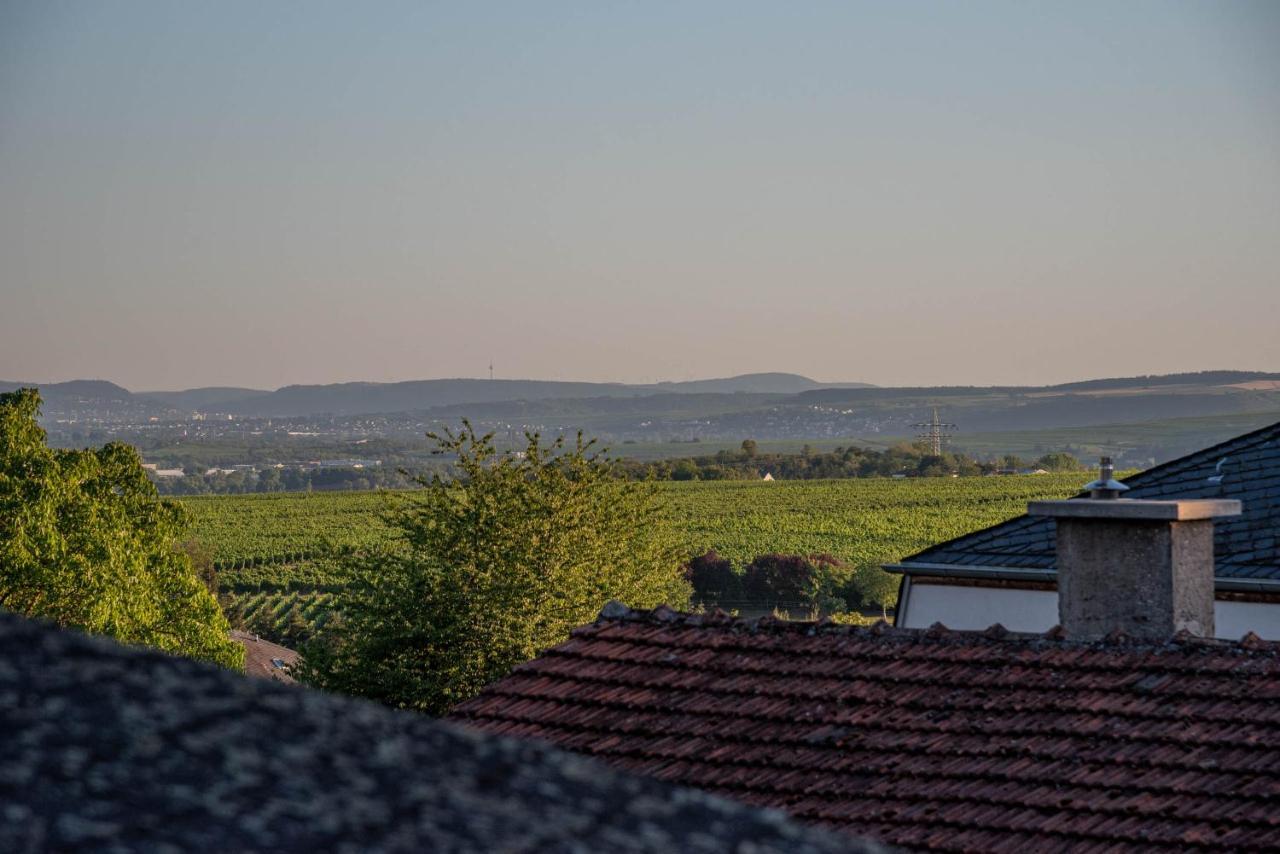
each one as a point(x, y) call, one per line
point(107, 748)
point(955, 741)
point(1246, 468)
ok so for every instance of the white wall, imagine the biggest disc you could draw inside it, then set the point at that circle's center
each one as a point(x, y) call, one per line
point(976, 608)
point(1233, 619)
point(959, 607)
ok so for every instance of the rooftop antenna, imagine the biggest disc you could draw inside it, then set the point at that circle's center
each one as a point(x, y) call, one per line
point(935, 433)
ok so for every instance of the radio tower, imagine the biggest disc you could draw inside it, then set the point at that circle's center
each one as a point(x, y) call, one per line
point(934, 433)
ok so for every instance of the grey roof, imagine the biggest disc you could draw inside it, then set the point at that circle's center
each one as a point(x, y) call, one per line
point(111, 748)
point(1246, 468)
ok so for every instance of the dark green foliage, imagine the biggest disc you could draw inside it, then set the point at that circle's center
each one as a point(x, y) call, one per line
point(779, 579)
point(86, 542)
point(713, 578)
point(903, 459)
point(819, 582)
point(492, 567)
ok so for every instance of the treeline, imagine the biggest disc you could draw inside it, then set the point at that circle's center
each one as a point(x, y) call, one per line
point(289, 479)
point(746, 463)
point(903, 459)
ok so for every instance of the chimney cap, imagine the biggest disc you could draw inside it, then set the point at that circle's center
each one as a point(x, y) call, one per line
point(1186, 510)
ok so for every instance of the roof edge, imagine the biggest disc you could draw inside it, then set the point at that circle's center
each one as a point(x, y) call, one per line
point(664, 616)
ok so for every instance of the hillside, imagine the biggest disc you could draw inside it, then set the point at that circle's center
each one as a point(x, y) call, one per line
point(362, 398)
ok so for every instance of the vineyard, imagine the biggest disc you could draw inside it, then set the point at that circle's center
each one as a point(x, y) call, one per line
point(273, 551)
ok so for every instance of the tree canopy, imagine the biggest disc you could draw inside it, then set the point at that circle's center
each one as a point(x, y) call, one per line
point(87, 543)
point(493, 566)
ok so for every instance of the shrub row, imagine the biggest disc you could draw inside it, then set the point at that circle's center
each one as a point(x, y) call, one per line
point(819, 582)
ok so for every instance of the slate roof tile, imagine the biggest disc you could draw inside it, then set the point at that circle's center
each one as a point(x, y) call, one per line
point(930, 740)
point(1244, 546)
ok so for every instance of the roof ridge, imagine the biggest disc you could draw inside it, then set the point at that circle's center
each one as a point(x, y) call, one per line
point(664, 615)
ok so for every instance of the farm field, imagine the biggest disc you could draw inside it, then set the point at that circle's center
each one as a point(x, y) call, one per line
point(270, 550)
point(857, 520)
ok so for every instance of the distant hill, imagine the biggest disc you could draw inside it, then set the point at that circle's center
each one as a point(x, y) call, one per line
point(762, 406)
point(359, 398)
point(1158, 380)
point(201, 398)
point(751, 384)
point(83, 393)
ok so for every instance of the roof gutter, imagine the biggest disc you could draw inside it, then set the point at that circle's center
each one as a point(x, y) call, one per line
point(954, 571)
point(1009, 573)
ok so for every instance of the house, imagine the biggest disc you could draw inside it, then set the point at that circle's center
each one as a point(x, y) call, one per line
point(114, 748)
point(265, 659)
point(1007, 573)
point(1120, 730)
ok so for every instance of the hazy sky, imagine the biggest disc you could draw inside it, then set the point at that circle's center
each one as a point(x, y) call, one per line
point(902, 193)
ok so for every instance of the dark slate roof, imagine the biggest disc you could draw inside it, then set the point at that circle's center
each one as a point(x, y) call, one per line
point(937, 740)
point(108, 748)
point(1246, 547)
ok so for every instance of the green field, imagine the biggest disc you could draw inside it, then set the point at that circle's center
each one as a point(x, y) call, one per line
point(270, 549)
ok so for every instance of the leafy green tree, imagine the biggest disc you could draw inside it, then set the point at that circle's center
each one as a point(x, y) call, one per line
point(750, 448)
point(492, 567)
point(86, 543)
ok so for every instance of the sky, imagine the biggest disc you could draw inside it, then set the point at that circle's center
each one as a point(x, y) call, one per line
point(903, 193)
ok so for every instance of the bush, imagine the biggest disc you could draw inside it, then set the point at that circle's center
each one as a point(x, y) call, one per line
point(493, 567)
point(777, 579)
point(713, 578)
point(868, 586)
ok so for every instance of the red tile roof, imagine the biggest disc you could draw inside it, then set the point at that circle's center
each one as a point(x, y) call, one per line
point(932, 739)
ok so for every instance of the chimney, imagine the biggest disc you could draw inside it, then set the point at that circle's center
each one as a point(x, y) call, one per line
point(1142, 567)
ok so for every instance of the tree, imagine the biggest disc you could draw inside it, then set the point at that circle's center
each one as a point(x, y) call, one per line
point(750, 448)
point(685, 470)
point(87, 543)
point(492, 567)
point(713, 578)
